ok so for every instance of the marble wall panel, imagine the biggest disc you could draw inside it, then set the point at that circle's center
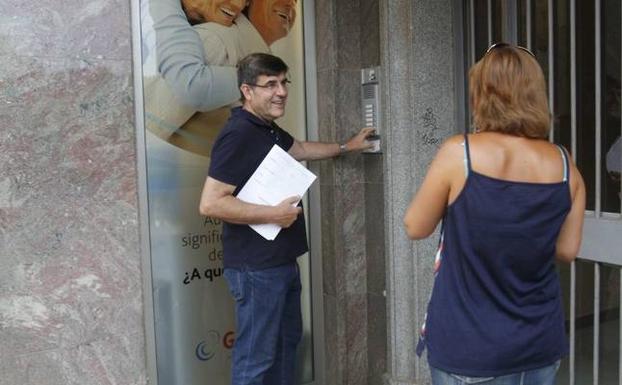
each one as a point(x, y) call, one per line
point(356, 339)
point(61, 29)
point(376, 338)
point(370, 33)
point(374, 172)
point(351, 235)
point(325, 27)
point(348, 100)
point(327, 126)
point(374, 238)
point(70, 275)
point(331, 262)
point(334, 340)
point(348, 26)
point(418, 56)
point(348, 355)
point(327, 117)
point(399, 116)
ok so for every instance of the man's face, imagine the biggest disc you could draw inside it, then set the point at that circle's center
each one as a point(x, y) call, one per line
point(267, 97)
point(272, 18)
point(218, 11)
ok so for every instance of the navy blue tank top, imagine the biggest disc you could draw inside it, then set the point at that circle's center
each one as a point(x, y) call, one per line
point(496, 302)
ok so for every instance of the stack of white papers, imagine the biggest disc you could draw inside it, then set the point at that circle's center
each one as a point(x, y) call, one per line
point(279, 176)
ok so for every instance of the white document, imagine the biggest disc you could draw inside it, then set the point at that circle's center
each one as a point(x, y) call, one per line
point(279, 176)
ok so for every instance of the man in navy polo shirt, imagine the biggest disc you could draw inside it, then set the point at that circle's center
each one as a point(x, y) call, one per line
point(262, 275)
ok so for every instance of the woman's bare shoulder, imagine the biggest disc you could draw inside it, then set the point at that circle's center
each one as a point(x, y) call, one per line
point(450, 155)
point(452, 145)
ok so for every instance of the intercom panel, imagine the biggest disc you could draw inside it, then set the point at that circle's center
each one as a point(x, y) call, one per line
point(370, 104)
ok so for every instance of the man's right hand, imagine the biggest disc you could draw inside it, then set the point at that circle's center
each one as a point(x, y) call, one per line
point(286, 213)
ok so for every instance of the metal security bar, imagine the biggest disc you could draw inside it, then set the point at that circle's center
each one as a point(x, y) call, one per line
point(471, 28)
point(573, 321)
point(596, 358)
point(551, 61)
point(573, 79)
point(573, 140)
point(489, 23)
point(528, 26)
point(598, 98)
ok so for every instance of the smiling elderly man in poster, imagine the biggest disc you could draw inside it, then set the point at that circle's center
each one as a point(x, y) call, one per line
point(228, 30)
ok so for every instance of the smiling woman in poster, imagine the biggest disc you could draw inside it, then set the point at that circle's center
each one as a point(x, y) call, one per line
point(226, 35)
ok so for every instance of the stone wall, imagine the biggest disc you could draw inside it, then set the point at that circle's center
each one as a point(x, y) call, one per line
point(70, 276)
point(418, 59)
point(347, 34)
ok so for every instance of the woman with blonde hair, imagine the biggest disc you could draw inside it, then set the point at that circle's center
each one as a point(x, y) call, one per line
point(511, 203)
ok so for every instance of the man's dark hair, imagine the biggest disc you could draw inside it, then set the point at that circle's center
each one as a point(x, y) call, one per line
point(254, 65)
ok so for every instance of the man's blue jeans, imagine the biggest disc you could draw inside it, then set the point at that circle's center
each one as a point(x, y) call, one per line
point(268, 324)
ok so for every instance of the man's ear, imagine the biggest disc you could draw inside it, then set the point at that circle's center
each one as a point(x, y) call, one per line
point(246, 91)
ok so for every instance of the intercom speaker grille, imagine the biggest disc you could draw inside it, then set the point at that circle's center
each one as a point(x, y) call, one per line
point(369, 91)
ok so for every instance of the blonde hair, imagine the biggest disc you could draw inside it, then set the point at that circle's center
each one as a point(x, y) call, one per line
point(507, 93)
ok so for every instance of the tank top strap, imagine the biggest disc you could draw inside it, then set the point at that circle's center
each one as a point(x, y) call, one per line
point(467, 155)
point(565, 160)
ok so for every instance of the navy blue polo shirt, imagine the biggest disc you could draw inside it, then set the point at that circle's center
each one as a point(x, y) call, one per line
point(239, 149)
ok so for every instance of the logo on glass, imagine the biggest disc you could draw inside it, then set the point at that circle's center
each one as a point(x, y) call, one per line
point(228, 339)
point(206, 349)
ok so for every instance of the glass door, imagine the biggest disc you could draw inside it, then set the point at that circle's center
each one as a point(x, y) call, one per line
point(185, 57)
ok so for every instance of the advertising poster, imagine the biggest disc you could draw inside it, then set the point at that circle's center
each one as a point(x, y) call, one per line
point(190, 49)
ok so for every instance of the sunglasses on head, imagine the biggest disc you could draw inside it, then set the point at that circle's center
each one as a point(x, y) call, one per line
point(501, 45)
